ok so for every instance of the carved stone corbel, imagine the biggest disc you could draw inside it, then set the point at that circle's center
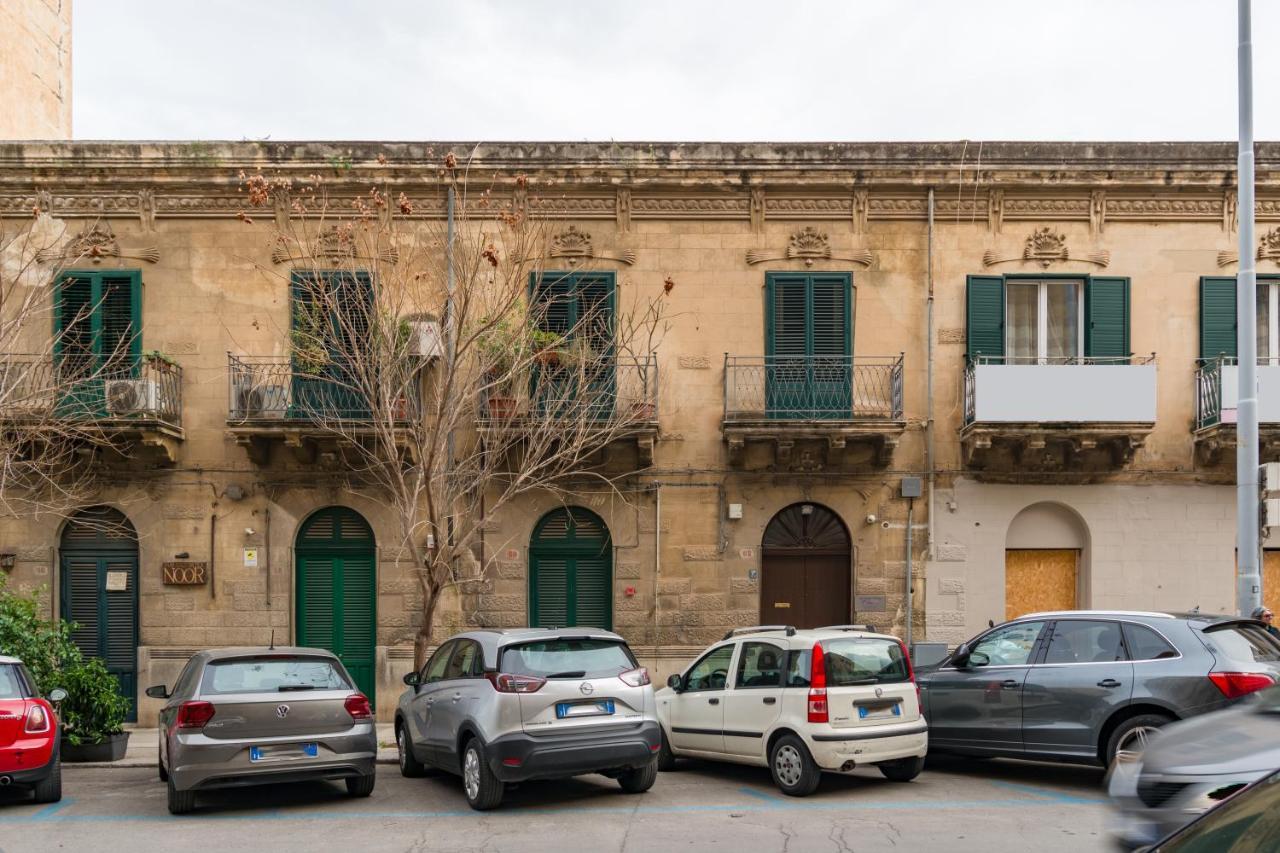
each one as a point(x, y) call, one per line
point(623, 209)
point(1045, 247)
point(995, 211)
point(1097, 212)
point(809, 244)
point(757, 209)
point(861, 201)
point(147, 209)
point(93, 244)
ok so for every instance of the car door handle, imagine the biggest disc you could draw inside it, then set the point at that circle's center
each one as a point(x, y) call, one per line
point(713, 701)
point(1108, 682)
point(770, 700)
point(1010, 684)
point(457, 696)
point(428, 702)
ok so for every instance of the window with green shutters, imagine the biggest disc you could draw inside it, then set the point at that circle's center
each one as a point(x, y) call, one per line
point(1218, 317)
point(571, 571)
point(808, 345)
point(330, 314)
point(97, 335)
point(1047, 319)
point(581, 307)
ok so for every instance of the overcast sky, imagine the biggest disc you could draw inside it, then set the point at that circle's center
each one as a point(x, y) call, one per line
point(664, 70)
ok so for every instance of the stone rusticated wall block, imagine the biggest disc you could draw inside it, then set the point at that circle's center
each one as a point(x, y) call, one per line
point(743, 585)
point(645, 524)
point(704, 602)
point(511, 570)
point(701, 553)
point(951, 586)
point(33, 553)
point(623, 604)
point(946, 618)
point(179, 602)
point(178, 511)
point(674, 586)
point(950, 552)
point(694, 362)
point(502, 602)
point(475, 586)
point(627, 571)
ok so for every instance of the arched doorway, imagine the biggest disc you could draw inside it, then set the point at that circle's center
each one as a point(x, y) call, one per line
point(99, 592)
point(337, 590)
point(1044, 550)
point(571, 571)
point(805, 574)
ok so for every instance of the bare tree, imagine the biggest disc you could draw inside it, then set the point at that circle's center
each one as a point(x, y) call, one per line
point(457, 374)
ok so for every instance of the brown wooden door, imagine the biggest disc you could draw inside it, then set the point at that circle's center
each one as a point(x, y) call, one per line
point(805, 591)
point(1039, 580)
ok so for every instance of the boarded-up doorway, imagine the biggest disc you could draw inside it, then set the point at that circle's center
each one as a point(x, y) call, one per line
point(1040, 579)
point(806, 577)
point(1271, 580)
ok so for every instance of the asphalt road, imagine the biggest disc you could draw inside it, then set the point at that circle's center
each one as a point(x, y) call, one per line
point(954, 805)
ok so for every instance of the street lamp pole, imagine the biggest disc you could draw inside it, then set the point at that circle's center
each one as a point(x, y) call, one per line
point(1248, 529)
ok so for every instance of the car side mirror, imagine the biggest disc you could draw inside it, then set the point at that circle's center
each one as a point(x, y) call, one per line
point(675, 682)
point(977, 659)
point(57, 694)
point(413, 679)
point(960, 657)
point(157, 692)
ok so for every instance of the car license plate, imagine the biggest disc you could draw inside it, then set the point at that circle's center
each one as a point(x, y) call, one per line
point(894, 710)
point(604, 707)
point(288, 750)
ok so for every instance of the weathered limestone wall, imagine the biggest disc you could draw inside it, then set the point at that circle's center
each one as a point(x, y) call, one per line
point(35, 69)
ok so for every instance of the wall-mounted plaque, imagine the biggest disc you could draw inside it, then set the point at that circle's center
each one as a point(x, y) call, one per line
point(185, 573)
point(117, 581)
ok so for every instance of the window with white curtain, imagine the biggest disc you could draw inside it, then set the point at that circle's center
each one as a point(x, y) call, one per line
point(1268, 327)
point(1043, 320)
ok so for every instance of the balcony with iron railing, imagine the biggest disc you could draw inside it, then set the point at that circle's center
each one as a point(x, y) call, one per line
point(1077, 413)
point(1217, 400)
point(124, 400)
point(809, 409)
point(612, 395)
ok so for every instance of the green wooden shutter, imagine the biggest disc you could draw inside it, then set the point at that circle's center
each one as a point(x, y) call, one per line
point(984, 314)
point(120, 344)
point(316, 602)
point(73, 323)
point(591, 592)
point(81, 602)
point(549, 592)
point(787, 346)
point(1106, 317)
point(359, 629)
point(119, 641)
point(830, 346)
point(1217, 317)
point(571, 571)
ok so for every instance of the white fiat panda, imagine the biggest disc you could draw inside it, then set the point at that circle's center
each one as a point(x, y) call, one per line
point(799, 702)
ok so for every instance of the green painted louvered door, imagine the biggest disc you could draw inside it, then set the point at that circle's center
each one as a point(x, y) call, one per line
point(571, 571)
point(331, 314)
point(99, 593)
point(97, 322)
point(337, 590)
point(809, 346)
point(579, 307)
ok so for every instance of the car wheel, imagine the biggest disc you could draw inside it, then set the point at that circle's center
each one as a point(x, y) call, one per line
point(180, 802)
point(666, 758)
point(902, 770)
point(483, 789)
point(1131, 736)
point(794, 771)
point(361, 786)
point(49, 789)
point(637, 780)
point(410, 766)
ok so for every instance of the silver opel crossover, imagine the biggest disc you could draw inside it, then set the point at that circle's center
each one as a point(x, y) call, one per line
point(256, 716)
point(508, 706)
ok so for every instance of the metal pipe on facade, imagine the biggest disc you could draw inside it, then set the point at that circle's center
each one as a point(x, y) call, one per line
point(1248, 541)
point(266, 557)
point(213, 530)
point(911, 505)
point(657, 560)
point(928, 424)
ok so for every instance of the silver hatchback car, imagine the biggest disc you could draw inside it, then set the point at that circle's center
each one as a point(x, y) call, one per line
point(509, 706)
point(256, 716)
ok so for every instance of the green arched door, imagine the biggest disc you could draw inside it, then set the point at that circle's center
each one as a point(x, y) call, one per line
point(337, 590)
point(571, 571)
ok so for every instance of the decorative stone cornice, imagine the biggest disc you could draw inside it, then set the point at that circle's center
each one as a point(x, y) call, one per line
point(1044, 247)
point(809, 245)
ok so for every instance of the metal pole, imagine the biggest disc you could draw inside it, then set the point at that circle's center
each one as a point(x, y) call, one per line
point(1248, 531)
point(911, 505)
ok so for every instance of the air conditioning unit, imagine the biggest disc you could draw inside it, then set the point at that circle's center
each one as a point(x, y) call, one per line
point(133, 396)
point(256, 402)
point(426, 340)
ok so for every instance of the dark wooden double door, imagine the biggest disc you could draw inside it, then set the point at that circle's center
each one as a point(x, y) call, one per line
point(805, 591)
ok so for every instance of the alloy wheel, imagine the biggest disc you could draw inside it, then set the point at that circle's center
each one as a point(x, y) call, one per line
point(471, 774)
point(400, 747)
point(787, 765)
point(1134, 742)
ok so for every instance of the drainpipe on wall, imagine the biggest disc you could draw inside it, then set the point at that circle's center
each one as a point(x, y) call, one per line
point(266, 520)
point(657, 559)
point(928, 424)
point(213, 530)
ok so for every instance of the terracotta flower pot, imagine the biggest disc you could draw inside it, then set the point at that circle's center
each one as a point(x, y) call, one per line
point(502, 408)
point(547, 358)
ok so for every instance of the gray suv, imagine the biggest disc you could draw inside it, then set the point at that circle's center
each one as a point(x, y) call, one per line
point(1083, 686)
point(509, 706)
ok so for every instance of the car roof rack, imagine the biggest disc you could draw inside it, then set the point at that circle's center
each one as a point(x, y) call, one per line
point(870, 629)
point(759, 629)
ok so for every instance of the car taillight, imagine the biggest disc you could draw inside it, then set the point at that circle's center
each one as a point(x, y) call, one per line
point(911, 670)
point(357, 705)
point(817, 686)
point(1236, 684)
point(37, 720)
point(637, 677)
point(194, 715)
point(505, 682)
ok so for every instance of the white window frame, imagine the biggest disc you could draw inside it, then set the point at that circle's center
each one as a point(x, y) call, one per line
point(1273, 321)
point(1042, 316)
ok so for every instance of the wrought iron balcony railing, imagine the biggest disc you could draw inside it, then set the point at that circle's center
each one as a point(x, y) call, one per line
point(610, 390)
point(128, 390)
point(1103, 395)
point(1217, 391)
point(278, 389)
point(816, 388)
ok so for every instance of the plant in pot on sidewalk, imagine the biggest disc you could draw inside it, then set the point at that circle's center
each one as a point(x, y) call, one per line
point(92, 714)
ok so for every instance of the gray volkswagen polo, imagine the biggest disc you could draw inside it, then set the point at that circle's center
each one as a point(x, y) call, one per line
point(1084, 686)
point(257, 716)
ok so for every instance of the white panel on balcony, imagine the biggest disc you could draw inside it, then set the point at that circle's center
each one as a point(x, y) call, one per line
point(1071, 393)
point(1268, 393)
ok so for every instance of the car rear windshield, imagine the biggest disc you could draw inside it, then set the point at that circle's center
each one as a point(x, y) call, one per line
point(271, 675)
point(1243, 643)
point(11, 686)
point(567, 658)
point(863, 661)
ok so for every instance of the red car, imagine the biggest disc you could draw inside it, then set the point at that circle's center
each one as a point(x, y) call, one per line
point(28, 734)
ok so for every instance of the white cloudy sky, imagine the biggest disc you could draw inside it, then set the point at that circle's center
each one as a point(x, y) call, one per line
point(667, 69)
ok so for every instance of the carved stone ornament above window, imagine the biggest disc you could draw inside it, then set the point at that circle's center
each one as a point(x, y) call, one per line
point(335, 245)
point(1044, 247)
point(93, 244)
point(575, 247)
point(1268, 249)
point(809, 245)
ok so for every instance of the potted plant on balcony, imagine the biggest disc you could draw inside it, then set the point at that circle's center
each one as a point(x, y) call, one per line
point(548, 348)
point(502, 348)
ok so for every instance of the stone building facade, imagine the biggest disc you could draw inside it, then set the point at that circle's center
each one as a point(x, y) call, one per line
point(847, 317)
point(35, 69)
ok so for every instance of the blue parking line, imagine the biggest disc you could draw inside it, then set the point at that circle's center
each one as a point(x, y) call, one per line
point(1047, 794)
point(50, 811)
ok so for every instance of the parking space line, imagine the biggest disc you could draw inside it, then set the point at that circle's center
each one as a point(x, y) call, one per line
point(1048, 794)
point(50, 811)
